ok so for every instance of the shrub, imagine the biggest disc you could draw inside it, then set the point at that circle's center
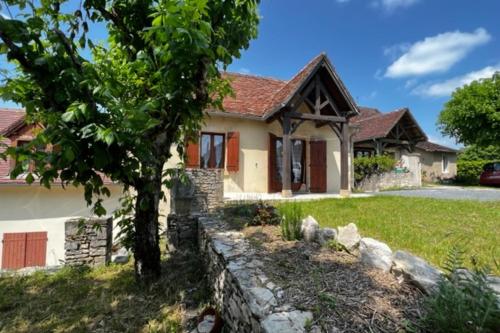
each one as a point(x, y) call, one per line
point(265, 214)
point(365, 167)
point(468, 172)
point(463, 302)
point(291, 221)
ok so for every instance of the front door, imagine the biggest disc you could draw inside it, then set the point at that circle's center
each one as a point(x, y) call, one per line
point(318, 166)
point(276, 164)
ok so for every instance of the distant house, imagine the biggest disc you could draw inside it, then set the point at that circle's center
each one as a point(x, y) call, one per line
point(397, 133)
point(439, 163)
point(31, 216)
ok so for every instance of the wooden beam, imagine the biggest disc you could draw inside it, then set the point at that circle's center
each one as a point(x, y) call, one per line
point(306, 116)
point(344, 159)
point(318, 96)
point(337, 131)
point(329, 98)
point(295, 125)
point(395, 141)
point(286, 170)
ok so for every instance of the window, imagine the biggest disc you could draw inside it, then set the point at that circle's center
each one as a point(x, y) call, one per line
point(297, 163)
point(212, 151)
point(445, 163)
point(28, 165)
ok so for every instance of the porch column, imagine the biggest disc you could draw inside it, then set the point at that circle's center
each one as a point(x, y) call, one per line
point(286, 190)
point(344, 161)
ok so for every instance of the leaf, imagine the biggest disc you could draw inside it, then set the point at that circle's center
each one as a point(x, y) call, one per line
point(69, 155)
point(29, 178)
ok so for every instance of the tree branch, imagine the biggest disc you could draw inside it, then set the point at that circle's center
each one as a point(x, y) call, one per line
point(69, 49)
point(15, 51)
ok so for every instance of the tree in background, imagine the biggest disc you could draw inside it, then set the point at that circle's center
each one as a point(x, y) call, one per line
point(472, 115)
point(119, 113)
point(475, 153)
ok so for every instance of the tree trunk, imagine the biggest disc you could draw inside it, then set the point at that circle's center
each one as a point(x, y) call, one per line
point(146, 244)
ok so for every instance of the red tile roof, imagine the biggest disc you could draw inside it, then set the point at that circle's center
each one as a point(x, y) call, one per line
point(8, 117)
point(374, 124)
point(261, 96)
point(434, 147)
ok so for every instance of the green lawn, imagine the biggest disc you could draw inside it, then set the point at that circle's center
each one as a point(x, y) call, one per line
point(426, 227)
point(106, 299)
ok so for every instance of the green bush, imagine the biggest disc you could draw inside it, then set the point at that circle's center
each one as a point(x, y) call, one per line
point(463, 302)
point(468, 172)
point(365, 167)
point(291, 221)
point(265, 214)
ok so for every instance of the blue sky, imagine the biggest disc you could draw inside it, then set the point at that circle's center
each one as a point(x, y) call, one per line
point(389, 53)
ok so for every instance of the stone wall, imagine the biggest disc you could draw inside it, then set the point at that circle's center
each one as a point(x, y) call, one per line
point(89, 245)
point(201, 192)
point(390, 180)
point(182, 231)
point(247, 300)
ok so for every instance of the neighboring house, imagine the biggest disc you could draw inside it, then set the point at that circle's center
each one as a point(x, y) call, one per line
point(31, 216)
point(397, 133)
point(280, 136)
point(439, 163)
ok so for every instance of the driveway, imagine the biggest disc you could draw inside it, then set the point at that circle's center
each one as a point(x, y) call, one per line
point(450, 192)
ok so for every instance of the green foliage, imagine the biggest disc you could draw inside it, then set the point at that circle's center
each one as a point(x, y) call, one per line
point(463, 302)
point(471, 115)
point(468, 172)
point(265, 214)
point(475, 153)
point(332, 244)
point(365, 167)
point(141, 92)
point(291, 221)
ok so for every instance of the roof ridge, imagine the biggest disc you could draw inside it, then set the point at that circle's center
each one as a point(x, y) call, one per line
point(316, 58)
point(255, 76)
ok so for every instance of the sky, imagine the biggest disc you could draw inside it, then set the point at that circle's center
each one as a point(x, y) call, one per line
point(389, 53)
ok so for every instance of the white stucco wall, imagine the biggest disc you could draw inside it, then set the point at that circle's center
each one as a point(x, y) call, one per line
point(25, 208)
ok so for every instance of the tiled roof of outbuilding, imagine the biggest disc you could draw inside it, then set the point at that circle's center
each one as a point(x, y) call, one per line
point(434, 147)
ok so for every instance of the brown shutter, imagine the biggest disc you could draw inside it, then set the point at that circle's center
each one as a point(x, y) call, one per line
point(273, 185)
point(193, 154)
point(318, 166)
point(14, 250)
point(233, 151)
point(36, 249)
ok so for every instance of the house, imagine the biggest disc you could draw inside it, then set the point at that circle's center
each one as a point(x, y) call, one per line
point(280, 136)
point(31, 216)
point(439, 163)
point(397, 133)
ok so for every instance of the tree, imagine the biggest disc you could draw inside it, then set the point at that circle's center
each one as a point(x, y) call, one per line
point(472, 115)
point(120, 113)
point(475, 153)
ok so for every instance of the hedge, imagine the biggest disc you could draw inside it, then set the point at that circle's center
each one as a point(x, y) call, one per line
point(468, 172)
point(364, 167)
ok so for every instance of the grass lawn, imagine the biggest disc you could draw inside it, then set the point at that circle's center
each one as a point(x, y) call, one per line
point(105, 299)
point(426, 227)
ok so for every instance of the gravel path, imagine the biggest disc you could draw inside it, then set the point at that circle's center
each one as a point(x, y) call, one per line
point(450, 192)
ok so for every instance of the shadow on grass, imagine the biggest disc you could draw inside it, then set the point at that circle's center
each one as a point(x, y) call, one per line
point(105, 299)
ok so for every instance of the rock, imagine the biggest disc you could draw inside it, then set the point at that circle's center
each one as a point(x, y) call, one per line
point(260, 301)
point(207, 324)
point(309, 229)
point(325, 235)
point(417, 270)
point(375, 254)
point(286, 322)
point(121, 256)
point(348, 236)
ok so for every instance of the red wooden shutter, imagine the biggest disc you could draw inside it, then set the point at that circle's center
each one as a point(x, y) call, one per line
point(193, 154)
point(36, 248)
point(14, 250)
point(273, 184)
point(318, 166)
point(233, 151)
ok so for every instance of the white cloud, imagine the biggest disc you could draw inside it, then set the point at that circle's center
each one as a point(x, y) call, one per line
point(244, 70)
point(445, 88)
point(437, 54)
point(391, 5)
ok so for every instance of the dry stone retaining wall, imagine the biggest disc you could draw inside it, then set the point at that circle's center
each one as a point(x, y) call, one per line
point(247, 299)
point(388, 180)
point(88, 245)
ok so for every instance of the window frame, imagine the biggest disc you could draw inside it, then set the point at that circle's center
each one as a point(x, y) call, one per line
point(444, 158)
point(211, 159)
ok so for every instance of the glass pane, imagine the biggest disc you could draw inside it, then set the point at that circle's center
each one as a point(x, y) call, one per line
point(279, 159)
point(205, 150)
point(297, 166)
point(219, 149)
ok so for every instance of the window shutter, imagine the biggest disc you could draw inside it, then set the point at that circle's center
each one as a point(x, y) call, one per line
point(233, 151)
point(193, 154)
